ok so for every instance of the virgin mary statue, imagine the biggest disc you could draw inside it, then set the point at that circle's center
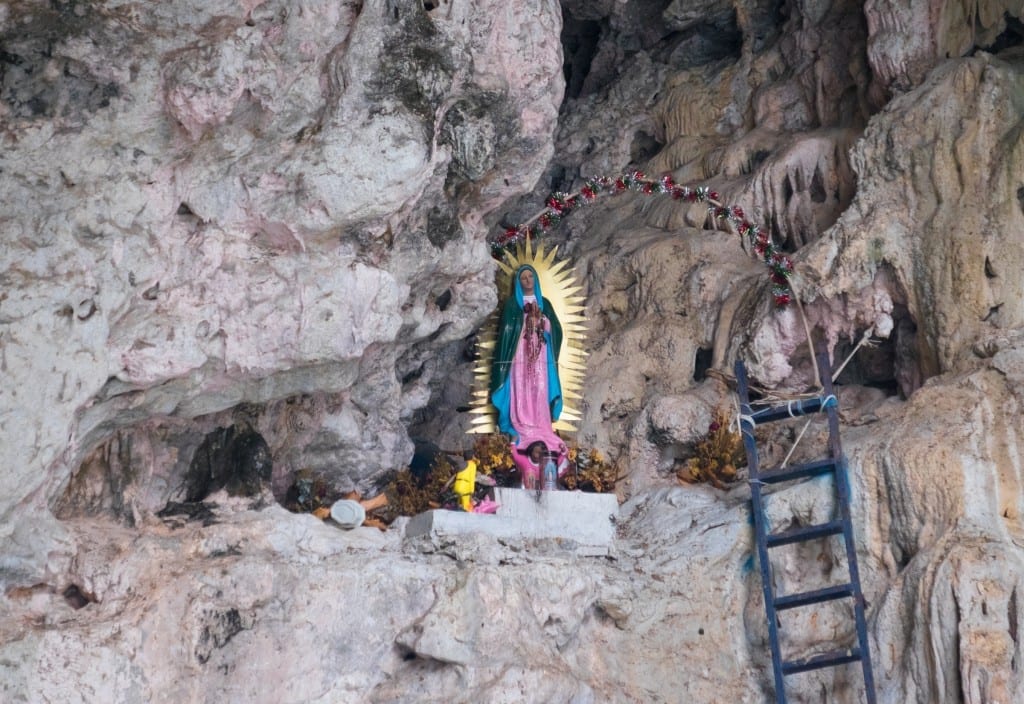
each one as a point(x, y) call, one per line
point(525, 387)
point(531, 358)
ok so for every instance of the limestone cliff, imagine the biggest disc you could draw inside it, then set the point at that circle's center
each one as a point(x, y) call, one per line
point(268, 220)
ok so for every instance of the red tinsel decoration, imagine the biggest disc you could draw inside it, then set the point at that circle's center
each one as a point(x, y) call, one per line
point(557, 205)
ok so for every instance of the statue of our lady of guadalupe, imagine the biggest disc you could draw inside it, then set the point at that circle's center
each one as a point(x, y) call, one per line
point(528, 363)
point(525, 387)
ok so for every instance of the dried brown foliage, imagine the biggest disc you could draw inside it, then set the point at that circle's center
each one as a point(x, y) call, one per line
point(590, 471)
point(408, 496)
point(719, 454)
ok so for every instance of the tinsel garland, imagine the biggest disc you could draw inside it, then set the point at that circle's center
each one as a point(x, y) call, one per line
point(558, 205)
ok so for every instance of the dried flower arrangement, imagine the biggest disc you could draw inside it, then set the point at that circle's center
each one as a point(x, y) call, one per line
point(590, 471)
point(409, 495)
point(495, 457)
point(719, 454)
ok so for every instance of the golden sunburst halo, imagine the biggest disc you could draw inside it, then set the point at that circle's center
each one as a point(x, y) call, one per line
point(559, 285)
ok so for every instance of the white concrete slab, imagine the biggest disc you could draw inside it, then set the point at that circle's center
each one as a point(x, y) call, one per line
point(582, 520)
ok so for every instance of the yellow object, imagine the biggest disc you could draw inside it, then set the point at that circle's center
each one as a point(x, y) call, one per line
point(465, 483)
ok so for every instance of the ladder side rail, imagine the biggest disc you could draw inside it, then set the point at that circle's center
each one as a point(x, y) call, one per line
point(842, 483)
point(760, 529)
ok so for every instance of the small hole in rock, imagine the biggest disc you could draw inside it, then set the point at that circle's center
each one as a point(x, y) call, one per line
point(444, 300)
point(644, 147)
point(701, 363)
point(75, 598)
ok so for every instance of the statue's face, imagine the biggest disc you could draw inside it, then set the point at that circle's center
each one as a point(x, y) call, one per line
point(526, 281)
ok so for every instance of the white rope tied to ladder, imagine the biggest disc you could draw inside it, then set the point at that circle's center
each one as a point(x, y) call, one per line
point(831, 397)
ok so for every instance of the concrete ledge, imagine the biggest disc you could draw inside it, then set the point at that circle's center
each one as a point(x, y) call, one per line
point(586, 520)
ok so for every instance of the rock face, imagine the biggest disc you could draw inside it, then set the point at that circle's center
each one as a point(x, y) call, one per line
point(250, 204)
point(252, 236)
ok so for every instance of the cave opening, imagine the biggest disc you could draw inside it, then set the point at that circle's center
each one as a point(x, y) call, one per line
point(701, 44)
point(872, 366)
point(890, 364)
point(643, 147)
point(168, 468)
point(580, 39)
point(236, 458)
point(702, 360)
point(1012, 36)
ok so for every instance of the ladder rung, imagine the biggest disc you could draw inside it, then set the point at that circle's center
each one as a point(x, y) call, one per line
point(802, 533)
point(797, 471)
point(829, 659)
point(793, 409)
point(791, 601)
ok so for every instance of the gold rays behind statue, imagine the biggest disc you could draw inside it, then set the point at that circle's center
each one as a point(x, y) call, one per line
point(559, 286)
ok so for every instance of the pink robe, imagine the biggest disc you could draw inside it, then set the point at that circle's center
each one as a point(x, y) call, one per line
point(529, 411)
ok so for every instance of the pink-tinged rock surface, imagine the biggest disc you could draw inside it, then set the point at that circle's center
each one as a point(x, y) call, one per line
point(247, 204)
point(259, 228)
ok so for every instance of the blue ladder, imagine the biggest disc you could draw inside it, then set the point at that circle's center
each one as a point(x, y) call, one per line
point(835, 463)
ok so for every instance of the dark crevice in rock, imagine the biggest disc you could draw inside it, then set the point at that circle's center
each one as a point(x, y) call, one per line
point(873, 366)
point(559, 178)
point(236, 459)
point(1012, 36)
point(699, 45)
point(902, 557)
point(644, 147)
point(954, 629)
point(579, 44)
point(909, 374)
point(1011, 619)
point(766, 27)
point(817, 189)
point(702, 362)
point(412, 376)
point(993, 311)
point(76, 598)
point(756, 159)
point(189, 511)
point(444, 300)
point(892, 365)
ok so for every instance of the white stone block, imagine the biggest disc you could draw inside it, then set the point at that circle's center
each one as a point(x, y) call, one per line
point(585, 521)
